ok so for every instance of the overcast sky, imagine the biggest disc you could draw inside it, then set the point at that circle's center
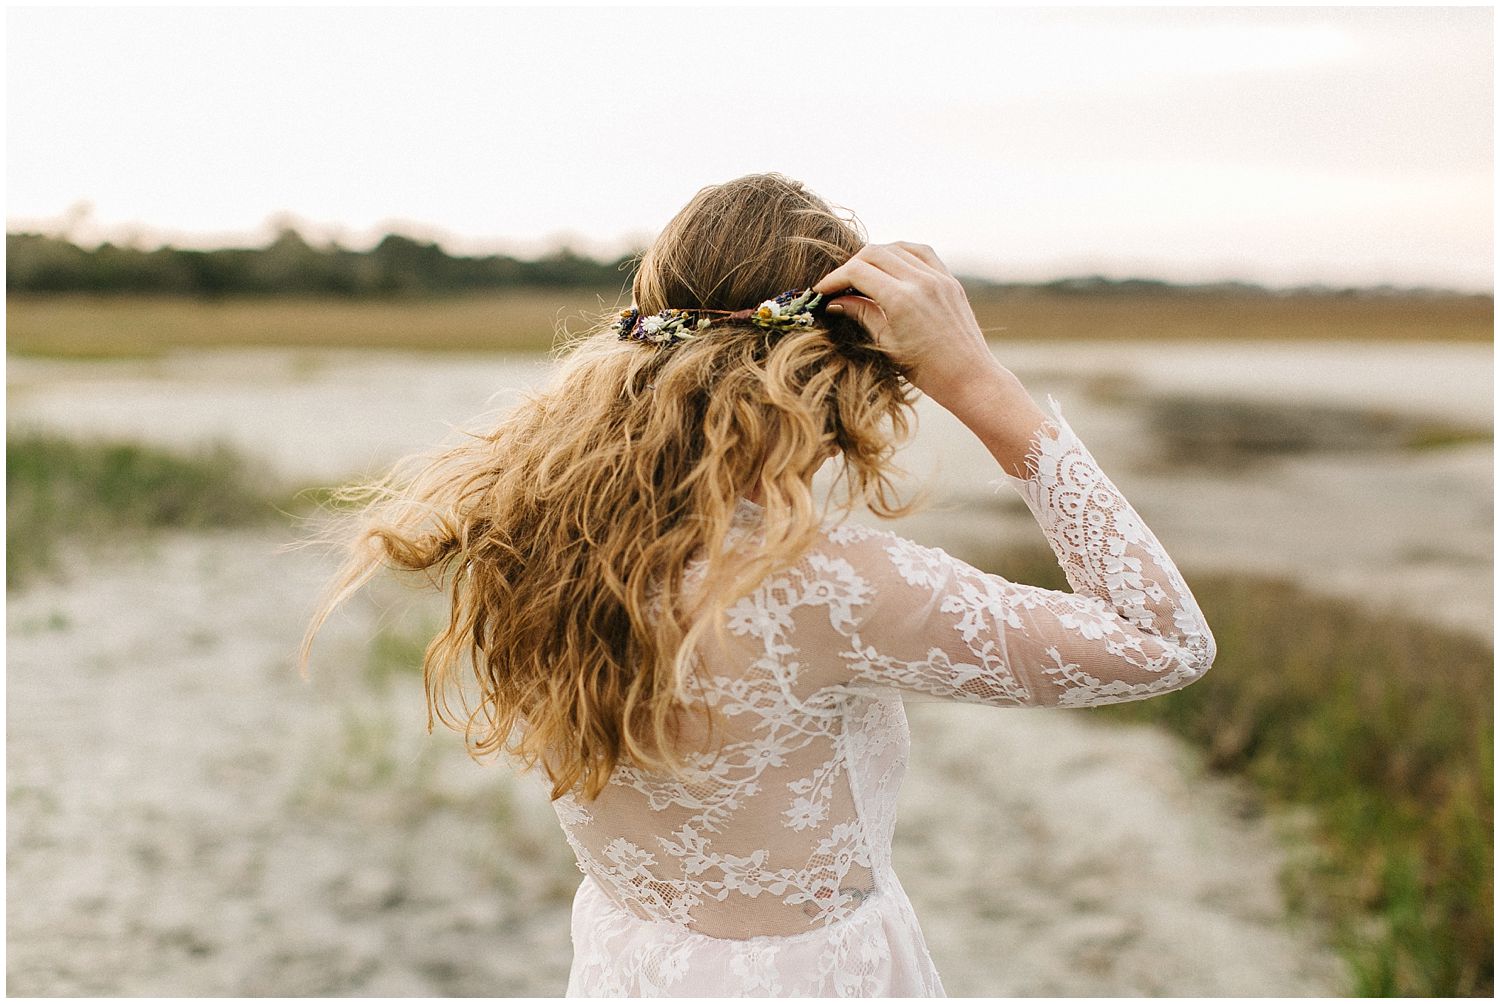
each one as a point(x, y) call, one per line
point(1280, 145)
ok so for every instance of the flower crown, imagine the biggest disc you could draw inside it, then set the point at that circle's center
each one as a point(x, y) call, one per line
point(792, 309)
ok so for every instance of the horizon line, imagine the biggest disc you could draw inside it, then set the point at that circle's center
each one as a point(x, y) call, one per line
point(591, 249)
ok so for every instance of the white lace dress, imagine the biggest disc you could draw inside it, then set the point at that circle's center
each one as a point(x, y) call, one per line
point(768, 872)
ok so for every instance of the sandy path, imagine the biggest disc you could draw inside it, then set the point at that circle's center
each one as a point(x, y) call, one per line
point(186, 817)
point(1052, 855)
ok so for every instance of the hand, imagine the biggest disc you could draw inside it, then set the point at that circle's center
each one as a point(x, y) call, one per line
point(917, 313)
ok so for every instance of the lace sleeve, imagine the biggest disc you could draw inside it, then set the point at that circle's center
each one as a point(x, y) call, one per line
point(936, 625)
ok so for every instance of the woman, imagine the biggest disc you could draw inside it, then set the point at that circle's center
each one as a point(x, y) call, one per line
point(649, 608)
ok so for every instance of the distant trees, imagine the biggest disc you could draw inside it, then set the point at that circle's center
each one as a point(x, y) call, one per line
point(398, 265)
point(404, 266)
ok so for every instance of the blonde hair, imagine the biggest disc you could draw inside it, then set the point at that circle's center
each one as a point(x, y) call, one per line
point(563, 534)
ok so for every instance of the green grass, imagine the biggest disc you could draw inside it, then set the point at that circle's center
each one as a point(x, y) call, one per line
point(109, 493)
point(1384, 728)
point(398, 649)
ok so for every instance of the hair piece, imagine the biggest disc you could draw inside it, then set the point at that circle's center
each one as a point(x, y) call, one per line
point(794, 308)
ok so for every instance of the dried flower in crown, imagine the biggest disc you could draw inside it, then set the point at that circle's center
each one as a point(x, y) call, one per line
point(792, 309)
point(666, 328)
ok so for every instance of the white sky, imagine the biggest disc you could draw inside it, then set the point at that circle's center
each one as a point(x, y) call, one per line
point(1280, 145)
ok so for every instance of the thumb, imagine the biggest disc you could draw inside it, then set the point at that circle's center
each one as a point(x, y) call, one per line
point(862, 310)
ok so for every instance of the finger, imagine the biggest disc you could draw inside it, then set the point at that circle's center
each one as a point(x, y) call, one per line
point(860, 274)
point(863, 310)
point(899, 263)
point(880, 256)
point(923, 252)
point(921, 268)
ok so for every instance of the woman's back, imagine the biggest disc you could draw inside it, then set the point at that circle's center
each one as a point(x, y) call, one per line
point(776, 827)
point(778, 840)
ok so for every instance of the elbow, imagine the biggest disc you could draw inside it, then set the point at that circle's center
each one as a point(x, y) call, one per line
point(1190, 657)
point(1199, 652)
point(1192, 643)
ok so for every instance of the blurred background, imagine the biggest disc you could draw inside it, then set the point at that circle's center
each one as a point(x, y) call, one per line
point(254, 253)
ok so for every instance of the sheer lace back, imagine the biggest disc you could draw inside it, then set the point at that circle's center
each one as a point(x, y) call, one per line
point(785, 829)
point(766, 835)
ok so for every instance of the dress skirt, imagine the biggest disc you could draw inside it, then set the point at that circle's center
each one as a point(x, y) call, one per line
point(877, 951)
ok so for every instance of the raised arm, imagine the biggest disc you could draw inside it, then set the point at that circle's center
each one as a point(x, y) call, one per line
point(934, 624)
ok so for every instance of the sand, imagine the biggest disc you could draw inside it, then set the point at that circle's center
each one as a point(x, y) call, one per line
point(187, 817)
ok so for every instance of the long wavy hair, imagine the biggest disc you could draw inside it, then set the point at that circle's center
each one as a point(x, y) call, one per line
point(561, 537)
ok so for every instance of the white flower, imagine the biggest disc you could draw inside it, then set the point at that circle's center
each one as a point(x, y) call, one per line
point(764, 620)
point(765, 752)
point(1092, 619)
point(845, 845)
point(651, 324)
point(745, 875)
point(755, 966)
point(697, 857)
point(919, 565)
point(848, 533)
point(671, 967)
point(628, 856)
point(804, 813)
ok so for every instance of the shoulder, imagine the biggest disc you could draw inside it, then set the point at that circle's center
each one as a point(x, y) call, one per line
point(854, 571)
point(882, 555)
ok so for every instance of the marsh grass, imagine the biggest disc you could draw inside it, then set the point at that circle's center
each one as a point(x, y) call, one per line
point(398, 648)
point(1384, 728)
point(1214, 432)
point(82, 326)
point(1046, 315)
point(109, 493)
point(385, 765)
point(93, 327)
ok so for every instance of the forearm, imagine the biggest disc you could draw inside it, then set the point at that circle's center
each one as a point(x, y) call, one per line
point(992, 403)
point(1107, 551)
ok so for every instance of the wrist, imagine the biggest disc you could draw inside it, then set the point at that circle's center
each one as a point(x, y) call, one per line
point(997, 408)
point(975, 388)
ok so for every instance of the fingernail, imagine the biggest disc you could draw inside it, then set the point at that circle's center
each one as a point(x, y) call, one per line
point(835, 308)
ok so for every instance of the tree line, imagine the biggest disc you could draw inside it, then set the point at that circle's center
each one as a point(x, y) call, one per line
point(404, 266)
point(37, 263)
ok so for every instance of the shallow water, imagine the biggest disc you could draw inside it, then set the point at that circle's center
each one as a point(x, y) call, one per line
point(1409, 529)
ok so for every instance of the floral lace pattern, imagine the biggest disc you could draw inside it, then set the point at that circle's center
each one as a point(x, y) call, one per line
point(767, 868)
